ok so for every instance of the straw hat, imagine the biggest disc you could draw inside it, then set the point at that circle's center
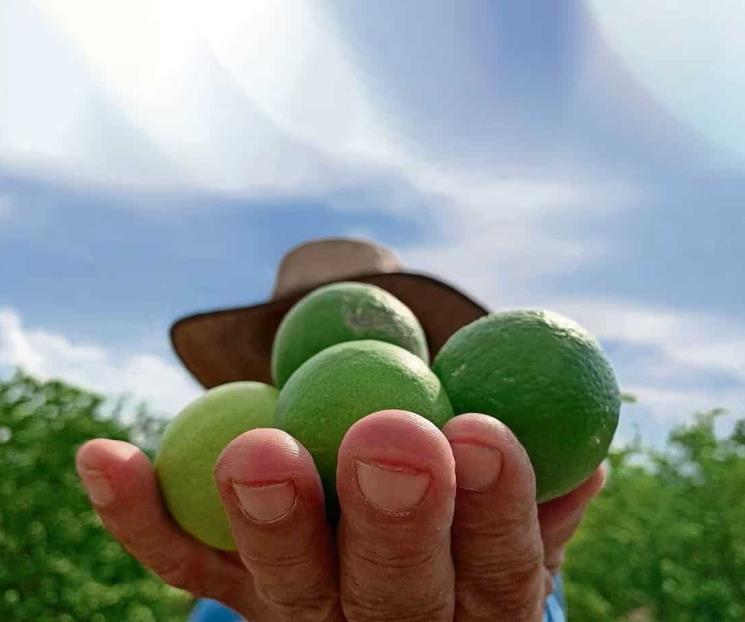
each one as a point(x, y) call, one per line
point(235, 344)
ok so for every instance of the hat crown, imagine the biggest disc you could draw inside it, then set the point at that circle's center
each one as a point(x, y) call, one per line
point(332, 259)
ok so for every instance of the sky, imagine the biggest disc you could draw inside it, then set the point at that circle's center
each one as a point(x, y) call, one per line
point(158, 158)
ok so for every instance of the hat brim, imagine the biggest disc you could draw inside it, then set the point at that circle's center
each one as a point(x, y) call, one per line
point(236, 344)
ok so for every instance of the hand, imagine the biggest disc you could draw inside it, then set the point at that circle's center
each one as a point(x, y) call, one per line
point(408, 546)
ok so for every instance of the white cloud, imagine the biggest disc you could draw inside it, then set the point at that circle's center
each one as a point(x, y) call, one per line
point(220, 101)
point(675, 405)
point(213, 97)
point(498, 235)
point(146, 377)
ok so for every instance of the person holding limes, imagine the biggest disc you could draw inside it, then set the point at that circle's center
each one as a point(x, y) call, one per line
point(408, 511)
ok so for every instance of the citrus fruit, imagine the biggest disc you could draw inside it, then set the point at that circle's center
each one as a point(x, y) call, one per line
point(348, 381)
point(338, 313)
point(191, 445)
point(544, 377)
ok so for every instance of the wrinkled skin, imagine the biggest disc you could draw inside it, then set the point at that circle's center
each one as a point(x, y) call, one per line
point(440, 532)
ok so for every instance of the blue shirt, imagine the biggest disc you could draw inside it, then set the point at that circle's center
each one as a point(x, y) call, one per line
point(212, 611)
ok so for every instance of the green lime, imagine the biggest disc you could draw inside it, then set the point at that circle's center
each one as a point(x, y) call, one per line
point(338, 313)
point(348, 381)
point(191, 445)
point(544, 377)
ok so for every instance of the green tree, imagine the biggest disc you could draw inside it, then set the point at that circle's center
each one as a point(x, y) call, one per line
point(666, 539)
point(56, 561)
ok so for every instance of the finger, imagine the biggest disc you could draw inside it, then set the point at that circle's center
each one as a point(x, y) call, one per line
point(273, 498)
point(559, 518)
point(124, 491)
point(497, 547)
point(396, 488)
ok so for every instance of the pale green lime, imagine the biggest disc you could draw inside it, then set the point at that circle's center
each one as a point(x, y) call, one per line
point(191, 445)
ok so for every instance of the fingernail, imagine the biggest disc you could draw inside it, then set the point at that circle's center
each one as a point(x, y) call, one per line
point(391, 489)
point(476, 467)
point(99, 488)
point(266, 503)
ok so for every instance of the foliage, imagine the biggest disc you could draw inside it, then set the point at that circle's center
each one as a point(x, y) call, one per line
point(56, 561)
point(666, 539)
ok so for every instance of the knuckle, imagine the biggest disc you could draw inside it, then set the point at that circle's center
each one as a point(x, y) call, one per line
point(510, 516)
point(313, 608)
point(496, 549)
point(507, 574)
point(374, 579)
point(294, 585)
point(518, 513)
point(175, 569)
point(393, 561)
point(517, 598)
point(513, 591)
point(505, 578)
point(402, 611)
point(520, 589)
point(177, 572)
point(269, 559)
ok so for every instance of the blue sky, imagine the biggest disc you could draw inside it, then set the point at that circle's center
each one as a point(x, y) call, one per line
point(587, 158)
